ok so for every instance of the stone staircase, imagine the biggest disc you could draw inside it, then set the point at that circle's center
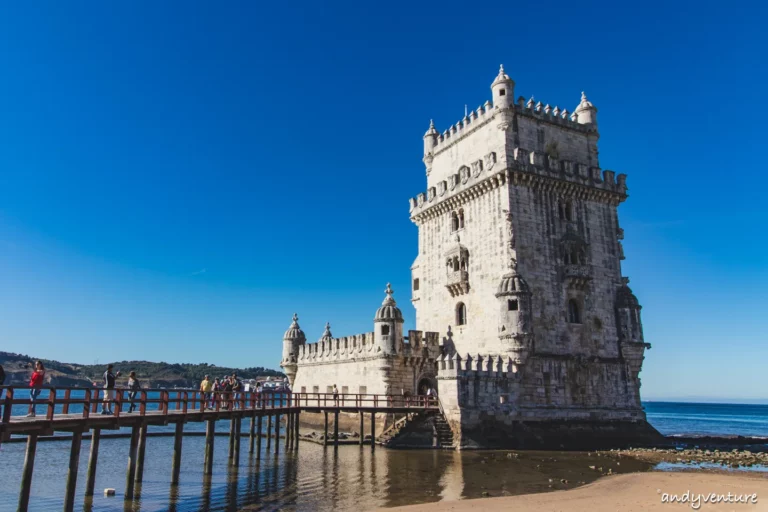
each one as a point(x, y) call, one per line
point(423, 430)
point(443, 432)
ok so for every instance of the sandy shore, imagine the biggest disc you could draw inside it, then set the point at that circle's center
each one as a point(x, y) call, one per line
point(633, 491)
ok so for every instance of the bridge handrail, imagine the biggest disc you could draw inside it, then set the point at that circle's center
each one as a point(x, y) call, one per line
point(184, 400)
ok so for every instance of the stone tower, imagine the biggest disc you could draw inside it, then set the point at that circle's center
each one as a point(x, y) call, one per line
point(520, 256)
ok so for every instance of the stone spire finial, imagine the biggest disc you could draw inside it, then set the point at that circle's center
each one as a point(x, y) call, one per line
point(501, 77)
point(296, 319)
point(431, 131)
point(389, 293)
point(327, 336)
point(583, 96)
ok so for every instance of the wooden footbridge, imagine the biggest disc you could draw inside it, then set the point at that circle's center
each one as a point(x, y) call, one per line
point(77, 410)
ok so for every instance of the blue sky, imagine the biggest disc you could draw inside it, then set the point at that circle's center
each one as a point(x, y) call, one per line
point(176, 179)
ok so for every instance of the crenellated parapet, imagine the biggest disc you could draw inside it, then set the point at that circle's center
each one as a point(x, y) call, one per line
point(452, 366)
point(523, 166)
point(338, 349)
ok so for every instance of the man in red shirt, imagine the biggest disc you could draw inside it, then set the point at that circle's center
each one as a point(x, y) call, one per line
point(36, 383)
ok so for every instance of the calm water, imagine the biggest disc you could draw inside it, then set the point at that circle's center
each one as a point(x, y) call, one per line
point(673, 418)
point(348, 479)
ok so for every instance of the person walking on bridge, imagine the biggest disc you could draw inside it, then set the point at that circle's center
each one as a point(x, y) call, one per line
point(109, 390)
point(206, 388)
point(134, 386)
point(36, 383)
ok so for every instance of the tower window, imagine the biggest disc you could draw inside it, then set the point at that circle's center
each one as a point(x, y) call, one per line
point(568, 211)
point(502, 92)
point(512, 305)
point(454, 222)
point(461, 219)
point(385, 330)
point(574, 314)
point(461, 314)
point(416, 284)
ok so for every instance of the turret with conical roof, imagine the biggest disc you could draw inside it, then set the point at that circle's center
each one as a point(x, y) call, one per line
point(586, 112)
point(388, 324)
point(292, 339)
point(503, 89)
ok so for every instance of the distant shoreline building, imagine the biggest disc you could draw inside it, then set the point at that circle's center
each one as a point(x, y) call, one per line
point(527, 328)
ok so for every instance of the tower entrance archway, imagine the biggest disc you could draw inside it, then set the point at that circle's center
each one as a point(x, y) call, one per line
point(424, 383)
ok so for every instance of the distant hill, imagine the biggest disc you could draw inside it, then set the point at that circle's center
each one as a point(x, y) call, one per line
point(18, 368)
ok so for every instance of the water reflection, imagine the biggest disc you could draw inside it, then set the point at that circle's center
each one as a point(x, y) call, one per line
point(350, 478)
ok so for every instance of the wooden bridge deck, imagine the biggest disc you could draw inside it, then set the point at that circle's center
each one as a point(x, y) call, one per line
point(77, 410)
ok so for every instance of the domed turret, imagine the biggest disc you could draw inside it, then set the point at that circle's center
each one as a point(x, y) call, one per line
point(503, 89)
point(515, 324)
point(628, 314)
point(586, 112)
point(388, 324)
point(292, 339)
point(430, 139)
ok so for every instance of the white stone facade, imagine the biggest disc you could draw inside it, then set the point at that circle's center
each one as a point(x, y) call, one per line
point(518, 269)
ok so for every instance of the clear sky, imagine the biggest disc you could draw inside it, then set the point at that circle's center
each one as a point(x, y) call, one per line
point(176, 179)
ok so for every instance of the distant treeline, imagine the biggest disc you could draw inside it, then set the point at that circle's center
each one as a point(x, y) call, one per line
point(165, 374)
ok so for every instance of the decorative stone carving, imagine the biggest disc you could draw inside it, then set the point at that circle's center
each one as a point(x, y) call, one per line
point(464, 174)
point(477, 168)
point(490, 160)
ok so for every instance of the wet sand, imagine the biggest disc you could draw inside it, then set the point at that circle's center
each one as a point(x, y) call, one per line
point(631, 491)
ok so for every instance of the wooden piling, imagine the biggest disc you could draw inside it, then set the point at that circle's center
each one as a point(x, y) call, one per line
point(336, 428)
point(140, 455)
point(252, 434)
point(362, 427)
point(210, 429)
point(74, 463)
point(288, 430)
point(130, 473)
point(93, 460)
point(269, 431)
point(178, 437)
point(277, 433)
point(373, 431)
point(296, 429)
point(238, 426)
point(26, 476)
point(325, 430)
point(232, 431)
point(258, 438)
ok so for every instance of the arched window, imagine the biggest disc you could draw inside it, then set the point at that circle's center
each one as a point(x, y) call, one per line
point(568, 211)
point(574, 314)
point(461, 219)
point(454, 222)
point(560, 210)
point(461, 314)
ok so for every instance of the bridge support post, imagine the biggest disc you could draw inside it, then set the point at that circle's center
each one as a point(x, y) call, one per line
point(130, 473)
point(362, 427)
point(74, 463)
point(26, 476)
point(140, 455)
point(277, 434)
point(325, 431)
point(232, 430)
point(373, 431)
point(210, 429)
point(288, 430)
point(269, 432)
point(178, 437)
point(93, 460)
point(336, 428)
point(258, 438)
point(252, 433)
point(238, 427)
point(296, 430)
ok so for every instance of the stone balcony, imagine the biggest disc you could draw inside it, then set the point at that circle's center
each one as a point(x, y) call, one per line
point(457, 282)
point(577, 276)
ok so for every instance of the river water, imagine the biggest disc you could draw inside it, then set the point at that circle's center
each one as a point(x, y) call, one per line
point(349, 478)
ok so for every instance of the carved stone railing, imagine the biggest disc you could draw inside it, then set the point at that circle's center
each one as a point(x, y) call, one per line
point(457, 282)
